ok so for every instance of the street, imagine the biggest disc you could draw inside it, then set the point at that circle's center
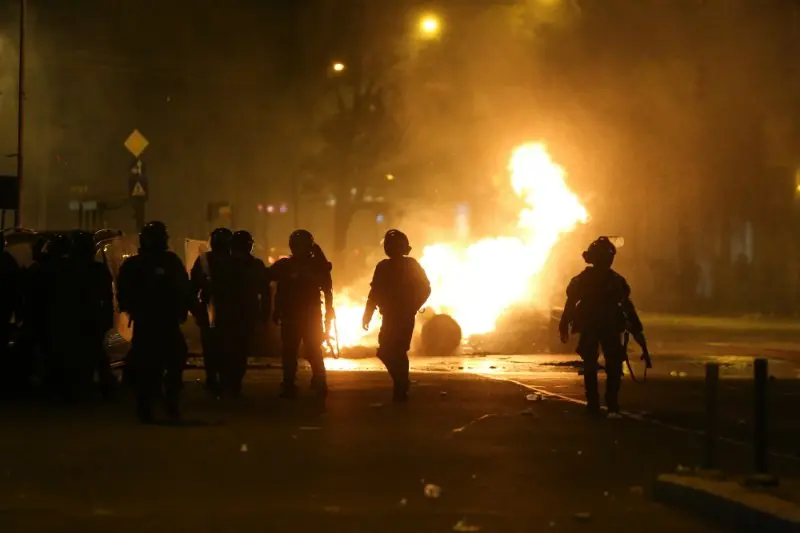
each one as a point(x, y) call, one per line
point(493, 458)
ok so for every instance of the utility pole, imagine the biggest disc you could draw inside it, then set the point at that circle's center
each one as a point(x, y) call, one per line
point(21, 115)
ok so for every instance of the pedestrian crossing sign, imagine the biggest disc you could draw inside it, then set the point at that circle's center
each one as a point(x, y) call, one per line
point(138, 190)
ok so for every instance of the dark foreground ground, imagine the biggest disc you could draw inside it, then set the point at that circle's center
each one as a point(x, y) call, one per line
point(357, 463)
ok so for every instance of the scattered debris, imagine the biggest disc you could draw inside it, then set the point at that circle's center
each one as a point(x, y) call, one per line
point(683, 469)
point(332, 509)
point(443, 393)
point(638, 490)
point(534, 397)
point(432, 491)
point(527, 412)
point(582, 517)
point(493, 367)
point(463, 525)
point(243, 448)
point(461, 368)
point(310, 428)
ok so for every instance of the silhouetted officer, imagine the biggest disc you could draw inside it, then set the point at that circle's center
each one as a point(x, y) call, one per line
point(300, 279)
point(399, 288)
point(600, 309)
point(61, 324)
point(208, 271)
point(10, 308)
point(154, 289)
point(95, 314)
point(244, 305)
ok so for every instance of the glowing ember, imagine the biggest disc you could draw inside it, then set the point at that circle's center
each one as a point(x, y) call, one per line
point(341, 364)
point(475, 283)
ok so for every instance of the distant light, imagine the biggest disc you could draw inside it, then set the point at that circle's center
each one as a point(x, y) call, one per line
point(380, 199)
point(368, 198)
point(379, 218)
point(429, 26)
point(338, 67)
point(331, 201)
point(284, 208)
point(353, 191)
point(389, 177)
point(260, 208)
point(270, 208)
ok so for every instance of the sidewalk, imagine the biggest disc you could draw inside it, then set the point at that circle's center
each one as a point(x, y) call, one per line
point(502, 462)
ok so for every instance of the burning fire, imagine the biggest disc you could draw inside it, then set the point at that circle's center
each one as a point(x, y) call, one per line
point(475, 283)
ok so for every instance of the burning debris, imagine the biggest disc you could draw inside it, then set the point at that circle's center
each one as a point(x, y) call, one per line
point(472, 307)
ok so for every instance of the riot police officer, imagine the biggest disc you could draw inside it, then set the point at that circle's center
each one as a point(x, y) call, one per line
point(399, 288)
point(10, 306)
point(154, 289)
point(60, 322)
point(599, 308)
point(244, 304)
point(300, 279)
point(208, 272)
point(95, 311)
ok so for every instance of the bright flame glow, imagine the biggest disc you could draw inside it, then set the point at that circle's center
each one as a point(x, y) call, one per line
point(476, 283)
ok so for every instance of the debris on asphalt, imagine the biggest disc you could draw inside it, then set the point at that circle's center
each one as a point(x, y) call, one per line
point(243, 448)
point(432, 491)
point(463, 525)
point(527, 412)
point(534, 397)
point(582, 517)
point(638, 490)
point(443, 393)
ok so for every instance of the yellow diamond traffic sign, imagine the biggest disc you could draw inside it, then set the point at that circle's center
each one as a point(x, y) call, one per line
point(136, 143)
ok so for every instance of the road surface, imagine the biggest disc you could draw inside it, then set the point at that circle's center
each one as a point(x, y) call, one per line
point(495, 460)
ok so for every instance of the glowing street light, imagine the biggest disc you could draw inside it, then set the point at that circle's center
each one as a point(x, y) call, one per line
point(430, 26)
point(338, 67)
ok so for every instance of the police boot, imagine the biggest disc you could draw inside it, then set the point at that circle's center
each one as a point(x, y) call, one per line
point(319, 384)
point(288, 390)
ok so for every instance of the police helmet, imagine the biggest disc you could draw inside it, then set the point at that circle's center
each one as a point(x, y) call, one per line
point(82, 245)
point(241, 242)
point(600, 253)
point(58, 245)
point(301, 242)
point(220, 240)
point(154, 236)
point(395, 243)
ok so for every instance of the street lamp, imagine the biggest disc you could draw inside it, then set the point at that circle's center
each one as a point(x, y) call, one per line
point(338, 67)
point(430, 26)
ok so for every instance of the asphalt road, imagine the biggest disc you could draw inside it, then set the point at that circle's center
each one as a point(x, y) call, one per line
point(354, 463)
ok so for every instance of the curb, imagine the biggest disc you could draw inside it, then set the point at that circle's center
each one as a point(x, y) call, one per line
point(728, 503)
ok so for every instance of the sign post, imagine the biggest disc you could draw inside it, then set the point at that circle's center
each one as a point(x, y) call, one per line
point(138, 185)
